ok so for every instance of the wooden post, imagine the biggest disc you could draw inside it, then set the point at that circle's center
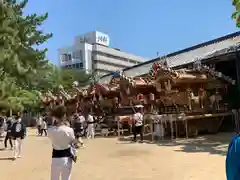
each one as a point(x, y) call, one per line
point(118, 126)
point(151, 127)
point(186, 127)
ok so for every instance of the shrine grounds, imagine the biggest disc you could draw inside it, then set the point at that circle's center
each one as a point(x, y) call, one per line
point(113, 159)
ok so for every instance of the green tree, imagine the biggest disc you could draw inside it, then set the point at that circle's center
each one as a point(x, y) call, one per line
point(25, 71)
point(53, 77)
point(20, 39)
point(20, 56)
point(236, 14)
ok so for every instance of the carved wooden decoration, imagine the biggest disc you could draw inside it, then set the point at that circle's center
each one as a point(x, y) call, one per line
point(190, 96)
point(202, 96)
point(215, 100)
point(158, 87)
point(128, 90)
point(168, 85)
point(151, 97)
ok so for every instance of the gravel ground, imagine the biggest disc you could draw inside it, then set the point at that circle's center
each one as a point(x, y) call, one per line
point(109, 158)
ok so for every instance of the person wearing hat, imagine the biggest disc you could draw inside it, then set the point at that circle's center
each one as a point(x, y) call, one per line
point(138, 123)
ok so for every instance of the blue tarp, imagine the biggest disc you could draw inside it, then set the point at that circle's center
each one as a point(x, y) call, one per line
point(115, 74)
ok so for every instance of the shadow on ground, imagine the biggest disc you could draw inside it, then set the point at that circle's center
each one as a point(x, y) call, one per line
point(212, 144)
point(7, 159)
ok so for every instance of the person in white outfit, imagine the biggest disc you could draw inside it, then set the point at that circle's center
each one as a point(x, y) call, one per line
point(138, 123)
point(44, 128)
point(39, 125)
point(90, 126)
point(62, 138)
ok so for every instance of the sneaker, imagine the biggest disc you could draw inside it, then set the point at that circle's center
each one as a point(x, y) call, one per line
point(14, 157)
point(19, 156)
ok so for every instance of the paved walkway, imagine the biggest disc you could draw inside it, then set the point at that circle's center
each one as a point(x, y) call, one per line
point(110, 159)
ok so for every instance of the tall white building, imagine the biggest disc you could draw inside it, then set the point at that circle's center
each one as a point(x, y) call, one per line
point(91, 52)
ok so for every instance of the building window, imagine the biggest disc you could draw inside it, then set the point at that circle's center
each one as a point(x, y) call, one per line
point(65, 57)
point(79, 65)
point(109, 63)
point(116, 57)
point(68, 66)
point(132, 61)
point(77, 55)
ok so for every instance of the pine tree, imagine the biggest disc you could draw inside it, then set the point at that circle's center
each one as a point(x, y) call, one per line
point(236, 14)
point(20, 57)
point(19, 37)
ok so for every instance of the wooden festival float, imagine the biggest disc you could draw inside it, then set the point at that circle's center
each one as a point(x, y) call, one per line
point(138, 91)
point(106, 101)
point(71, 100)
point(190, 100)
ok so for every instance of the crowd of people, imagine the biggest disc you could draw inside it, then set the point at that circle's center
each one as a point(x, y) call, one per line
point(15, 133)
point(65, 133)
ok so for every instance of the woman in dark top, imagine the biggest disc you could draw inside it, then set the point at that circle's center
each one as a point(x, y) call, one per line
point(18, 133)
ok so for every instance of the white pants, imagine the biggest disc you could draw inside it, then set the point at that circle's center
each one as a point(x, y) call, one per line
point(90, 131)
point(17, 147)
point(61, 167)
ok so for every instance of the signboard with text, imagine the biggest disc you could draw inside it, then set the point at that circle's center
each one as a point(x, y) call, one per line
point(95, 37)
point(102, 39)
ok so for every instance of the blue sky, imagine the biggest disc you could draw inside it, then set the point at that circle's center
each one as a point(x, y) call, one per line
point(141, 27)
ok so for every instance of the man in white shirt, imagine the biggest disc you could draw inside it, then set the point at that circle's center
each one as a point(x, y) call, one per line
point(90, 125)
point(44, 128)
point(39, 125)
point(138, 124)
point(62, 138)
